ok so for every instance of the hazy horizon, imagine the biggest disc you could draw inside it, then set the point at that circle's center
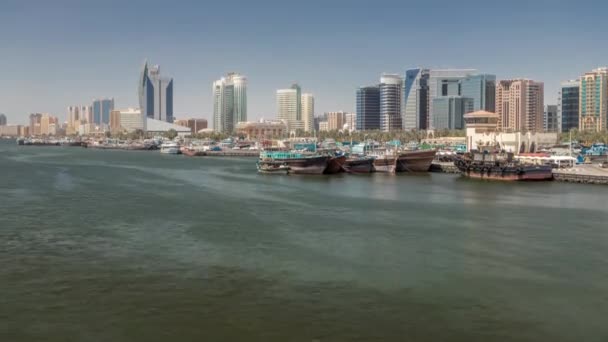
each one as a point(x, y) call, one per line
point(69, 52)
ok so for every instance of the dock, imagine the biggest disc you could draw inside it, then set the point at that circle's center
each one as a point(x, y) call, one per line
point(231, 153)
point(587, 174)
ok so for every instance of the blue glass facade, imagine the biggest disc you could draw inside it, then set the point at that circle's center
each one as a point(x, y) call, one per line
point(101, 111)
point(482, 90)
point(448, 111)
point(569, 107)
point(368, 108)
point(415, 99)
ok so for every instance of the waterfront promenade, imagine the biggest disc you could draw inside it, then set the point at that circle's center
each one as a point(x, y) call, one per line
point(587, 173)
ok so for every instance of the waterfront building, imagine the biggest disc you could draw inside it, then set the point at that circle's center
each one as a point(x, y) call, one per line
point(593, 104)
point(263, 129)
point(35, 119)
point(10, 130)
point(318, 119)
point(289, 107)
point(444, 82)
point(195, 124)
point(155, 94)
point(86, 114)
point(160, 127)
point(336, 120)
point(323, 126)
point(73, 120)
point(448, 111)
point(351, 121)
point(481, 89)
point(568, 105)
point(368, 108)
point(132, 119)
point(483, 133)
point(101, 111)
point(308, 112)
point(229, 102)
point(415, 102)
point(2, 120)
point(115, 122)
point(520, 105)
point(48, 124)
point(390, 102)
point(550, 118)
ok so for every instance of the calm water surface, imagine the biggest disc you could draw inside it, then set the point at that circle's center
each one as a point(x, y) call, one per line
point(138, 246)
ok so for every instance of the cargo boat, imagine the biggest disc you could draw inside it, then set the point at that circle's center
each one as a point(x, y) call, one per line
point(495, 166)
point(272, 167)
point(385, 163)
point(334, 164)
point(298, 163)
point(415, 161)
point(358, 165)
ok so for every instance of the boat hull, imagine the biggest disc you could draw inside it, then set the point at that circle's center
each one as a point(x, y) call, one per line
point(415, 161)
point(334, 165)
point(306, 166)
point(508, 173)
point(385, 164)
point(358, 165)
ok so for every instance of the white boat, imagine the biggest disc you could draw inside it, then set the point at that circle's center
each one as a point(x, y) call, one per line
point(169, 148)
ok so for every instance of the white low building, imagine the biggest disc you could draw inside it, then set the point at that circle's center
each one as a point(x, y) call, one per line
point(159, 127)
point(483, 134)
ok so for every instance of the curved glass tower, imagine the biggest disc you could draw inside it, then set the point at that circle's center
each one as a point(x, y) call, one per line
point(155, 94)
point(390, 102)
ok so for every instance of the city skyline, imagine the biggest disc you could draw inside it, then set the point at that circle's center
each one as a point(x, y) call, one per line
point(64, 76)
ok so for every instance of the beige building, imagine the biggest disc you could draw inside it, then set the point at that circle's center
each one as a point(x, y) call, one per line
point(323, 126)
point(10, 130)
point(520, 105)
point(335, 120)
point(262, 129)
point(115, 125)
point(308, 112)
point(483, 134)
point(351, 121)
point(593, 100)
point(48, 124)
point(132, 119)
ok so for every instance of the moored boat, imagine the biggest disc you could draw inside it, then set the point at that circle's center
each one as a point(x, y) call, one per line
point(358, 165)
point(415, 161)
point(494, 166)
point(298, 163)
point(170, 148)
point(272, 167)
point(385, 163)
point(334, 165)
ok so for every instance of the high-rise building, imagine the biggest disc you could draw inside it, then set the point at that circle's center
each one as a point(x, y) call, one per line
point(351, 121)
point(520, 105)
point(481, 89)
point(101, 111)
point(115, 124)
point(445, 82)
point(593, 104)
point(390, 102)
point(48, 124)
point(368, 108)
point(2, 120)
point(336, 120)
point(567, 105)
point(35, 120)
point(229, 102)
point(448, 111)
point(415, 110)
point(550, 119)
point(308, 112)
point(155, 94)
point(289, 107)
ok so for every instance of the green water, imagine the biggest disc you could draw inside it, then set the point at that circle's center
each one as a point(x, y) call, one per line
point(139, 246)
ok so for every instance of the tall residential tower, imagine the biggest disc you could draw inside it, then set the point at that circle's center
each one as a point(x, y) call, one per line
point(593, 104)
point(520, 105)
point(229, 102)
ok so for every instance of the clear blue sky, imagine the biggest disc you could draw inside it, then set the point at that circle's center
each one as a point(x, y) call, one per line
point(59, 53)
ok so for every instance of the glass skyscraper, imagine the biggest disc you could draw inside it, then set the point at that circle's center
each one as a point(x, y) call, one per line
point(229, 102)
point(415, 110)
point(368, 108)
point(568, 106)
point(481, 89)
point(445, 83)
point(449, 111)
point(390, 102)
point(155, 94)
point(101, 111)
